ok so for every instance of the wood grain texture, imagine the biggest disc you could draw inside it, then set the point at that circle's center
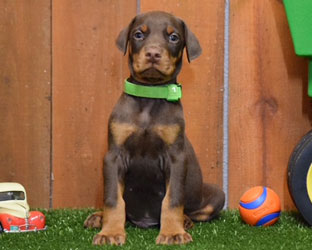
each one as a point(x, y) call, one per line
point(202, 79)
point(88, 74)
point(269, 108)
point(25, 97)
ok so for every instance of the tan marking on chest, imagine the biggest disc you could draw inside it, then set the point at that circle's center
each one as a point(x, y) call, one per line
point(121, 131)
point(168, 133)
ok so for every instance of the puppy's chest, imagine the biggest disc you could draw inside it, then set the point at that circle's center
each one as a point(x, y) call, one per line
point(145, 125)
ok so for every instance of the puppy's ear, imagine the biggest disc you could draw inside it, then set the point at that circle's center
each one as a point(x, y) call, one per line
point(123, 38)
point(193, 49)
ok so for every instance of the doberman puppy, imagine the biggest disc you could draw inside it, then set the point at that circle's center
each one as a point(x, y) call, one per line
point(151, 174)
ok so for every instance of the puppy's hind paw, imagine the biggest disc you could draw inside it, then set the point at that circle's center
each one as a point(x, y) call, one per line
point(188, 223)
point(94, 220)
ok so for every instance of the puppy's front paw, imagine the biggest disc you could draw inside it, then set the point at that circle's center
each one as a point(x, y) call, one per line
point(107, 239)
point(94, 220)
point(177, 239)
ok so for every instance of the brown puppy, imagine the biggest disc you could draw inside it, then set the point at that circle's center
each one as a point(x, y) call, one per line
point(151, 174)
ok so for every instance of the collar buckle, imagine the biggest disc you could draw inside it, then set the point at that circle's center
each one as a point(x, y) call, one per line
point(174, 92)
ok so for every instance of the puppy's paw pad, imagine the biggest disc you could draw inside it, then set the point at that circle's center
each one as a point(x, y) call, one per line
point(102, 239)
point(175, 239)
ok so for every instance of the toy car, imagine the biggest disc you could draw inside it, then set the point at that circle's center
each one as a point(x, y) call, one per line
point(14, 210)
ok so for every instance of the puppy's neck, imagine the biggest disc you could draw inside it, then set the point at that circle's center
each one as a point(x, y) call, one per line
point(133, 80)
point(171, 92)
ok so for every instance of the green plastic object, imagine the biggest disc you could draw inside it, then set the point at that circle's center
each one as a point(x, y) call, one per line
point(299, 15)
point(170, 92)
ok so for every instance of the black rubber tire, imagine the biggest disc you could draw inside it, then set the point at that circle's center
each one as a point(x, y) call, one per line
point(299, 164)
point(1, 228)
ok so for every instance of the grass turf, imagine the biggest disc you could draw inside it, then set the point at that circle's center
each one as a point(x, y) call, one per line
point(65, 231)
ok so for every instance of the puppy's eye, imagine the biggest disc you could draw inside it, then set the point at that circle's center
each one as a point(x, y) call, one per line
point(174, 38)
point(138, 35)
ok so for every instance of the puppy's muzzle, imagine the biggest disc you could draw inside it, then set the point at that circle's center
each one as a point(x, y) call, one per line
point(153, 54)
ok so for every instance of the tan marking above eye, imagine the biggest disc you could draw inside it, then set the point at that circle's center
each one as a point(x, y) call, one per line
point(170, 30)
point(121, 131)
point(168, 133)
point(144, 28)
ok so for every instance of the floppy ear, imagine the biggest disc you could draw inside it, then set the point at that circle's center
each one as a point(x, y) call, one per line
point(193, 49)
point(123, 38)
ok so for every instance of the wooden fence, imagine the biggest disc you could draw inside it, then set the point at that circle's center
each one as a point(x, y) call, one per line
point(60, 75)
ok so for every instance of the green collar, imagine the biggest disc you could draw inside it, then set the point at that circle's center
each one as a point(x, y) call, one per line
point(170, 92)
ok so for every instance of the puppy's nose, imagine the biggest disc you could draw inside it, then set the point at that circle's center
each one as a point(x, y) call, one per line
point(153, 54)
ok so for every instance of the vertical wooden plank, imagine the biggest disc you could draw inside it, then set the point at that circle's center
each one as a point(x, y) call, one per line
point(25, 97)
point(202, 79)
point(88, 74)
point(269, 109)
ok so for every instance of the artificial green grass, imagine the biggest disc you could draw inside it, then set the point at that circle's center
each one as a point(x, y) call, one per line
point(65, 231)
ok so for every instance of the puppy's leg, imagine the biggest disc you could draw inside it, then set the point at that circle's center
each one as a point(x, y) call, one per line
point(114, 213)
point(172, 212)
point(212, 203)
point(113, 232)
point(203, 201)
point(172, 224)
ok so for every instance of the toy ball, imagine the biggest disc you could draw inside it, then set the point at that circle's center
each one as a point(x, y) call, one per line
point(260, 206)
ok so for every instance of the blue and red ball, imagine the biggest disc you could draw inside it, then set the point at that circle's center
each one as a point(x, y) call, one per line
point(260, 206)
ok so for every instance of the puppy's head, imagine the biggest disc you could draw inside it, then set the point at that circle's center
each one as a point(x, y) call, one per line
point(156, 41)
